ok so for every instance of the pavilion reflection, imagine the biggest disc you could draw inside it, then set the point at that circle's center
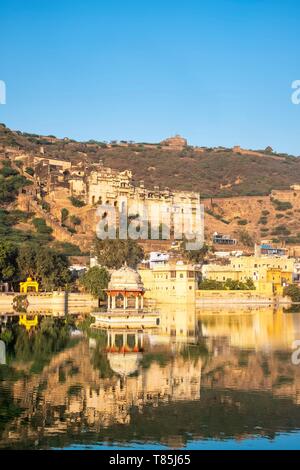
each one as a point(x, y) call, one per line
point(117, 376)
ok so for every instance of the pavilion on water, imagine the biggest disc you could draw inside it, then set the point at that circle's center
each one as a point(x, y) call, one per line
point(125, 290)
point(125, 303)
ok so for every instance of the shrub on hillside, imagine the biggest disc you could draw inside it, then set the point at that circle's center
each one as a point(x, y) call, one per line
point(281, 230)
point(282, 205)
point(263, 220)
point(41, 226)
point(77, 202)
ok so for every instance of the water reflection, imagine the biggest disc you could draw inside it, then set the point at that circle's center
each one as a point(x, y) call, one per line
point(200, 375)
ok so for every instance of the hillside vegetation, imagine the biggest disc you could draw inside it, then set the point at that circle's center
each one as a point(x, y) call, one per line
point(211, 171)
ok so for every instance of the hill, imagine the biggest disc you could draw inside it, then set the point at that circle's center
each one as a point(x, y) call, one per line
point(248, 194)
point(218, 172)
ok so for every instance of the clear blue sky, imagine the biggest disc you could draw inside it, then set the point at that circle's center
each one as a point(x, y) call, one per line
point(216, 71)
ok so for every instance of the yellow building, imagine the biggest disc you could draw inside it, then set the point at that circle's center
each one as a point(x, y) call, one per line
point(269, 273)
point(171, 282)
point(28, 286)
point(28, 322)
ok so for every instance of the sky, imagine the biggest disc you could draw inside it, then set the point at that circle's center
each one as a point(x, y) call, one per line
point(218, 72)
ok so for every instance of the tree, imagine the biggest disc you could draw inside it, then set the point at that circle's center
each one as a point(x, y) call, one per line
point(64, 215)
point(30, 171)
point(293, 292)
point(75, 220)
point(245, 238)
point(210, 284)
point(45, 265)
point(76, 202)
point(194, 256)
point(229, 284)
point(8, 261)
point(41, 226)
point(114, 253)
point(95, 280)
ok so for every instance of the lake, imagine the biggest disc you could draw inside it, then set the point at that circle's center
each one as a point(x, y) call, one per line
point(215, 378)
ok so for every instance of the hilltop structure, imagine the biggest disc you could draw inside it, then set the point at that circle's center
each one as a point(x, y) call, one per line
point(174, 143)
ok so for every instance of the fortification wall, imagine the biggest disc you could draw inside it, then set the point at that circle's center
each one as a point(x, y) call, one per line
point(234, 297)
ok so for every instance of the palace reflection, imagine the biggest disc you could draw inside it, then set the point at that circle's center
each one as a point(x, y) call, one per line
point(197, 365)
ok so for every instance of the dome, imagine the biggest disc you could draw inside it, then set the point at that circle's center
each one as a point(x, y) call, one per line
point(125, 278)
point(124, 364)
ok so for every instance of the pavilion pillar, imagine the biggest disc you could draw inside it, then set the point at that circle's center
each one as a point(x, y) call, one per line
point(137, 302)
point(142, 302)
point(125, 302)
point(113, 302)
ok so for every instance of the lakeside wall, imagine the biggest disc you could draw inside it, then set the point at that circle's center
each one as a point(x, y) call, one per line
point(204, 297)
point(58, 300)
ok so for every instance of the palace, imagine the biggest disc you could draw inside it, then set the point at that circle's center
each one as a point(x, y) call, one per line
point(100, 185)
point(94, 185)
point(269, 273)
point(172, 282)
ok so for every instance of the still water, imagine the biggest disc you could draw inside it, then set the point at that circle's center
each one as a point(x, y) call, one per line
point(207, 379)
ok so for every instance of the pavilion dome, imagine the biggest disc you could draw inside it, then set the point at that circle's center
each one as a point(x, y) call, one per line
point(125, 278)
point(124, 364)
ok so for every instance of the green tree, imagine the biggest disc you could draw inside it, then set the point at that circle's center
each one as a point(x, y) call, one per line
point(95, 280)
point(114, 253)
point(64, 215)
point(8, 261)
point(293, 292)
point(45, 265)
point(210, 284)
point(194, 256)
point(29, 170)
point(281, 230)
point(229, 284)
point(76, 202)
point(245, 238)
point(75, 220)
point(41, 226)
